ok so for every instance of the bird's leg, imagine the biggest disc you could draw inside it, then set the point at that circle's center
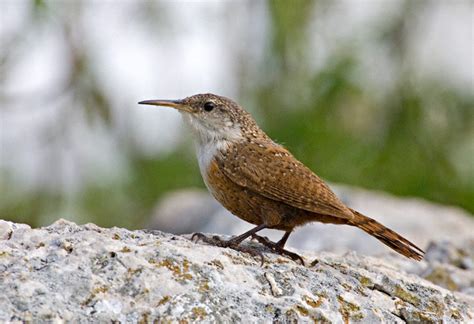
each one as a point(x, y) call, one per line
point(233, 243)
point(265, 241)
point(272, 245)
point(278, 246)
point(216, 240)
point(281, 243)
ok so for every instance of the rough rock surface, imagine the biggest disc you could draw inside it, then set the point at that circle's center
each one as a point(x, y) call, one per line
point(86, 273)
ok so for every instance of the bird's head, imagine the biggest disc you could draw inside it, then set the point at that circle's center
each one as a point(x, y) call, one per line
point(212, 117)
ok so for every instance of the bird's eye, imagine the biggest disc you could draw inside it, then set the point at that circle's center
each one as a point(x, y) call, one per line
point(208, 106)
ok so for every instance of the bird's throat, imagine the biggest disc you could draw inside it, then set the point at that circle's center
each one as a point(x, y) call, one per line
point(206, 133)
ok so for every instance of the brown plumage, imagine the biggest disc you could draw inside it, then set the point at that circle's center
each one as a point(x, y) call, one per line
point(261, 182)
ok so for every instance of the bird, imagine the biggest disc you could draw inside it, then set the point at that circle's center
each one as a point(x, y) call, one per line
point(261, 182)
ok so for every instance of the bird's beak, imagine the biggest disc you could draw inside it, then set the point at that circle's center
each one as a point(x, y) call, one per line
point(176, 104)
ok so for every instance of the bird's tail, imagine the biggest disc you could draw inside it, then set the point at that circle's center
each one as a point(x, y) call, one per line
point(387, 236)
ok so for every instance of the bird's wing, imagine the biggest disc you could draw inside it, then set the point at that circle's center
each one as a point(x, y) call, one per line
point(270, 170)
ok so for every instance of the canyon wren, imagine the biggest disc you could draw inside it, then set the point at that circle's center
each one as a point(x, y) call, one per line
point(261, 182)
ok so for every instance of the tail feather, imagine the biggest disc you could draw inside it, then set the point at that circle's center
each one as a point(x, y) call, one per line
point(387, 236)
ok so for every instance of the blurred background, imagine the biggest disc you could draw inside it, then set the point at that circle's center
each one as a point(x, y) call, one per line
point(376, 94)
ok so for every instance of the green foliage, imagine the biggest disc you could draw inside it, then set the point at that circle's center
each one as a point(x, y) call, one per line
point(414, 139)
point(125, 203)
point(402, 144)
point(130, 203)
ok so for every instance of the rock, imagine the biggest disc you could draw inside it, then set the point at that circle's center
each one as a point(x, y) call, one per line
point(450, 266)
point(7, 228)
point(192, 205)
point(66, 272)
point(418, 220)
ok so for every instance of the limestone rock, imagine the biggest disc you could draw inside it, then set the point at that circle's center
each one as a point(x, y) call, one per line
point(90, 274)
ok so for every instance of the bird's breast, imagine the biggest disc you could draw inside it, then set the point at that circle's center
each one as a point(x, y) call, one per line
point(206, 155)
point(233, 197)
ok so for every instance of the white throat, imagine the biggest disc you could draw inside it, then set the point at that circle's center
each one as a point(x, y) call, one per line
point(210, 142)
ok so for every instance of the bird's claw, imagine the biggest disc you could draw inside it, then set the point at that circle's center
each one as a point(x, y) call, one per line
point(275, 247)
point(196, 237)
point(217, 241)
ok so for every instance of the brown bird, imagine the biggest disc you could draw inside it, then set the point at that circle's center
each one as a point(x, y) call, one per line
point(261, 182)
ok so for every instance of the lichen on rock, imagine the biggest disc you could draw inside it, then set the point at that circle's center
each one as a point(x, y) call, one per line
point(87, 273)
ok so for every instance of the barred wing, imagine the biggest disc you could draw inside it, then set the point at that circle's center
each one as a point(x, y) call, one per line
point(270, 170)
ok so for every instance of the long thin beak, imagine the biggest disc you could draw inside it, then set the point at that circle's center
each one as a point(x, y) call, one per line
point(176, 104)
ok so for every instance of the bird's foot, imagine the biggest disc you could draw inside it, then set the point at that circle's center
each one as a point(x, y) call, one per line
point(217, 241)
point(213, 240)
point(277, 248)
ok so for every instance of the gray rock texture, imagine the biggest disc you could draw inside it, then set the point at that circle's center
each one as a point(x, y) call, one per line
point(92, 274)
